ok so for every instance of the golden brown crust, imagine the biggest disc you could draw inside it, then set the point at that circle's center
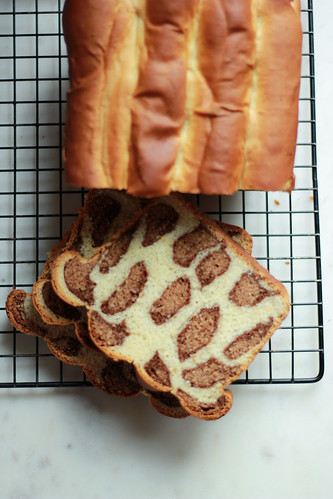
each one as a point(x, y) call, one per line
point(271, 132)
point(207, 412)
point(50, 307)
point(92, 32)
point(167, 405)
point(190, 96)
point(226, 61)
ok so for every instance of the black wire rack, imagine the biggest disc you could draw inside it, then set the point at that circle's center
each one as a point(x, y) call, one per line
point(36, 206)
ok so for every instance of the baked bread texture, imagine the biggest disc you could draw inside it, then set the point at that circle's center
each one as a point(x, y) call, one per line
point(114, 378)
point(190, 96)
point(173, 295)
point(104, 212)
point(105, 374)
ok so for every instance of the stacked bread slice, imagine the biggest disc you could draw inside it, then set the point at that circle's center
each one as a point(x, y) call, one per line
point(154, 298)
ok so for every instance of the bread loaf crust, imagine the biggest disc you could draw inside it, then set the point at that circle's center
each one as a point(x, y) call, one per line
point(273, 111)
point(187, 95)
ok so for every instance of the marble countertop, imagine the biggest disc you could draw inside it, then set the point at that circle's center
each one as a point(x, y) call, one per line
point(276, 442)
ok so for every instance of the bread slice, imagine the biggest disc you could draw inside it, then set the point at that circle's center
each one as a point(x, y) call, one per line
point(195, 96)
point(114, 378)
point(176, 297)
point(102, 215)
point(104, 212)
point(57, 312)
point(63, 343)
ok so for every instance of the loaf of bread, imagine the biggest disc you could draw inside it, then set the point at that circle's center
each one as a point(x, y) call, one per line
point(176, 297)
point(190, 96)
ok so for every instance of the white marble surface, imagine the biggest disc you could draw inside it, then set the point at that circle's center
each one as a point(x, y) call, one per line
point(277, 441)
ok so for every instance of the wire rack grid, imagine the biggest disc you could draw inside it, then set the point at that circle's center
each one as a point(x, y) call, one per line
point(36, 206)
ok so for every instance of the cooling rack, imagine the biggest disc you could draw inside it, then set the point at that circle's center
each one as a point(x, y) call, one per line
point(36, 206)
